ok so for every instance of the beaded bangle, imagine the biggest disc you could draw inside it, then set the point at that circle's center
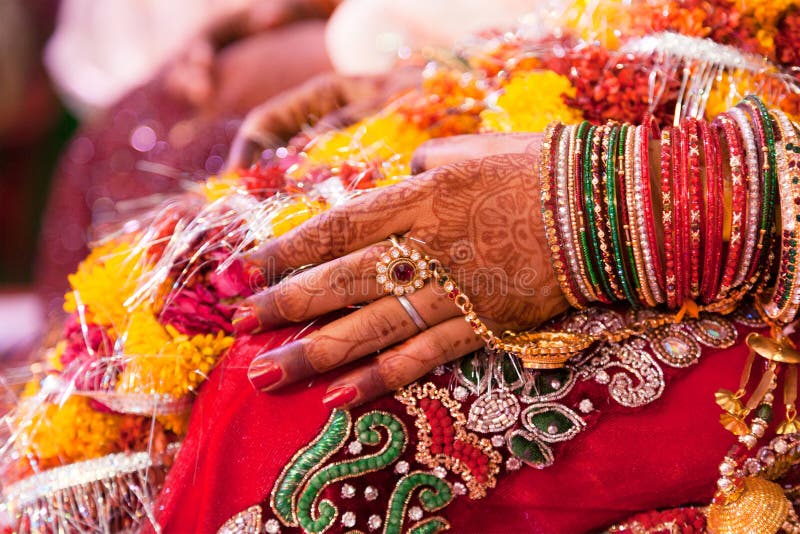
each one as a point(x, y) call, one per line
point(724, 124)
point(564, 172)
point(654, 265)
point(763, 127)
point(754, 199)
point(793, 155)
point(781, 305)
point(632, 226)
point(713, 214)
point(668, 217)
point(547, 180)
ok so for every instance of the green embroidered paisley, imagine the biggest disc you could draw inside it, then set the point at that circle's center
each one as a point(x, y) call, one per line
point(305, 462)
point(368, 435)
point(431, 499)
point(430, 526)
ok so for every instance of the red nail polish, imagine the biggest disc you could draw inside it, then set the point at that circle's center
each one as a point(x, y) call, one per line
point(245, 320)
point(264, 373)
point(338, 397)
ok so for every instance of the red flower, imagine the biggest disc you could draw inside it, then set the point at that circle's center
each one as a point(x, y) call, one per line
point(197, 310)
point(787, 40)
point(236, 280)
point(617, 88)
point(85, 347)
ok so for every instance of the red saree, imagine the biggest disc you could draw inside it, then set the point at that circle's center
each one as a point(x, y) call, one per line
point(622, 461)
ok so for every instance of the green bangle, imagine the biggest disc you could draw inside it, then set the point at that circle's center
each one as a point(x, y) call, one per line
point(591, 180)
point(613, 213)
point(585, 170)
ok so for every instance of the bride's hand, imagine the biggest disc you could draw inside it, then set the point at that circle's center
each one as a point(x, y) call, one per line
point(480, 218)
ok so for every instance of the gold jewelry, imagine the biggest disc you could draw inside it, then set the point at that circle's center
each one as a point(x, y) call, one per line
point(550, 350)
point(759, 507)
point(401, 270)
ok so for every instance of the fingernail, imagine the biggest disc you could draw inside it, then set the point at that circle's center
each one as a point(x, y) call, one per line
point(279, 367)
point(245, 320)
point(339, 396)
point(264, 372)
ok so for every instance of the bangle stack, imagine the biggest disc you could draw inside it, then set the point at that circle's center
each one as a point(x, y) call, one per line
point(713, 198)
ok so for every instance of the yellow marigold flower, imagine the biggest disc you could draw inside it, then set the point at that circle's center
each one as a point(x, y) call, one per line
point(295, 214)
point(724, 95)
point(176, 423)
point(144, 334)
point(30, 389)
point(601, 20)
point(530, 101)
point(217, 187)
point(386, 137)
point(66, 433)
point(53, 356)
point(103, 281)
point(766, 14)
point(162, 360)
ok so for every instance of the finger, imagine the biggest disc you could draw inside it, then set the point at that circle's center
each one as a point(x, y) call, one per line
point(443, 151)
point(283, 116)
point(328, 287)
point(246, 148)
point(376, 326)
point(340, 118)
point(360, 222)
point(286, 114)
point(403, 364)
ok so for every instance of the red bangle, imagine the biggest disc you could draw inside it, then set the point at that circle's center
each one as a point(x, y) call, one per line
point(735, 153)
point(712, 253)
point(692, 209)
point(668, 217)
point(680, 207)
point(753, 182)
point(761, 252)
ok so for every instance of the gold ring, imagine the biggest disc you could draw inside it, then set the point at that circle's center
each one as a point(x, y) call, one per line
point(402, 270)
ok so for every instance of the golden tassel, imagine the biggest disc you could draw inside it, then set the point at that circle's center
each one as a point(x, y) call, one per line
point(730, 401)
point(733, 419)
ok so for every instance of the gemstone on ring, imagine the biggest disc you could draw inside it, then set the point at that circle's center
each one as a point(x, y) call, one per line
point(402, 270)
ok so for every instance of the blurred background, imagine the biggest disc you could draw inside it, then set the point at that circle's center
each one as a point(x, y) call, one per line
point(34, 127)
point(102, 103)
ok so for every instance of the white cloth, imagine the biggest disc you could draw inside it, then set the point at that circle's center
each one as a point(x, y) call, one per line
point(365, 36)
point(101, 49)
